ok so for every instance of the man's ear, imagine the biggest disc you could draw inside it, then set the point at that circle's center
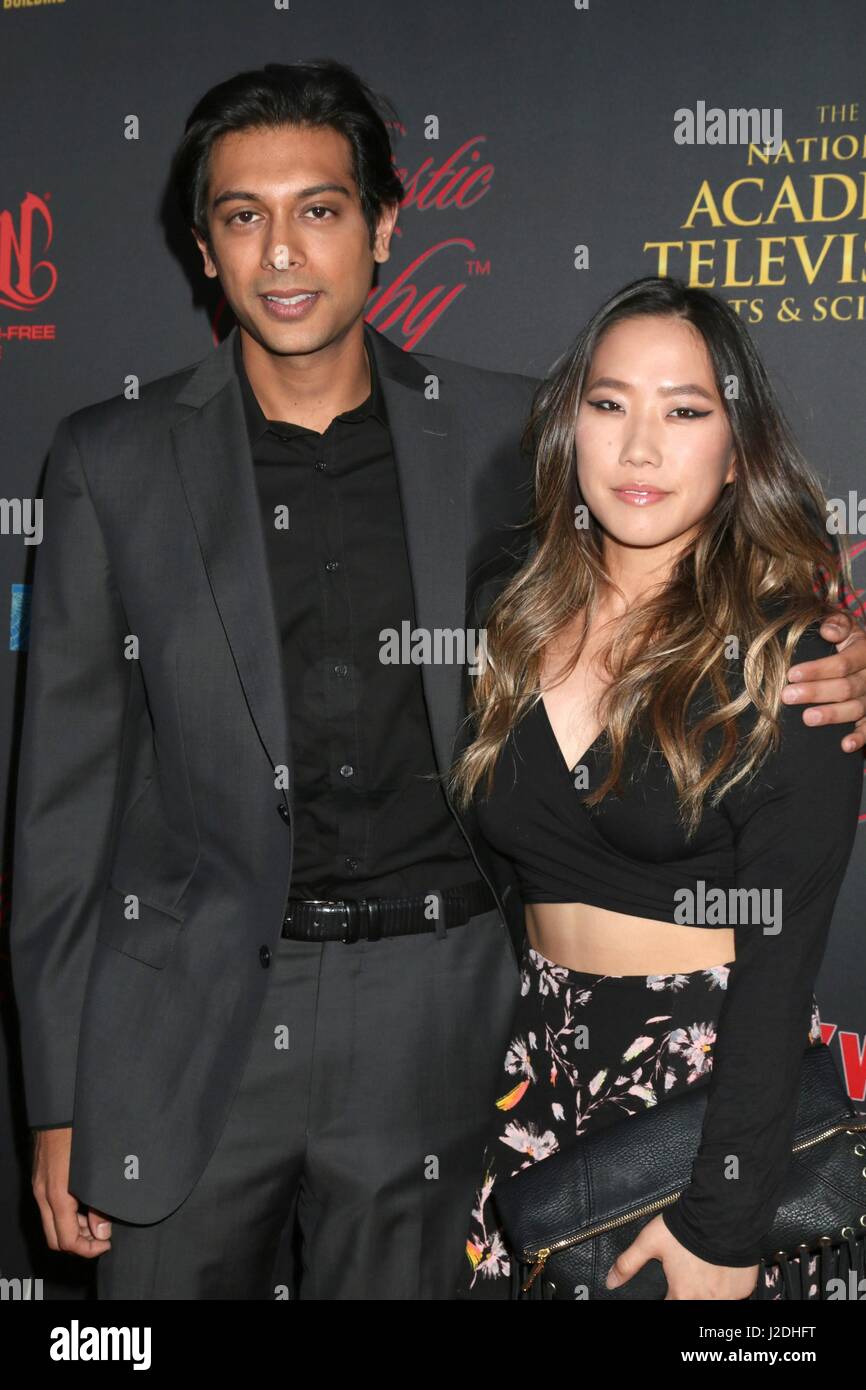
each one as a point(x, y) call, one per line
point(210, 269)
point(384, 230)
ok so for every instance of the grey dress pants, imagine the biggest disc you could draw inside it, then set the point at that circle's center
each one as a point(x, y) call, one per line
point(348, 1162)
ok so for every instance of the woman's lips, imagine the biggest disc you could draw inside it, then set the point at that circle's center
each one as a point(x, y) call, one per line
point(639, 496)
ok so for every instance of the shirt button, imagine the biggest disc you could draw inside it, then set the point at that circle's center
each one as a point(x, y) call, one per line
point(332, 565)
point(320, 464)
point(341, 670)
point(347, 770)
point(351, 864)
point(283, 810)
point(264, 957)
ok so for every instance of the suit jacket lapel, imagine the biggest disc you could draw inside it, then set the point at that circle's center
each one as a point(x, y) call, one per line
point(217, 472)
point(216, 467)
point(428, 454)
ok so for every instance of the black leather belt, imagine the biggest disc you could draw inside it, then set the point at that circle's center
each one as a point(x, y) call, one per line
point(369, 919)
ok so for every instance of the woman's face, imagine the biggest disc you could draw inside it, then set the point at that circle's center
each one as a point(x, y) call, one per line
point(654, 446)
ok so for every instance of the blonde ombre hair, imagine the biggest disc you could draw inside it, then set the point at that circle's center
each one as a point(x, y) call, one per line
point(762, 561)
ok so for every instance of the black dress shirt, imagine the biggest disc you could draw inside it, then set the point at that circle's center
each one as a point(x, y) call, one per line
point(365, 820)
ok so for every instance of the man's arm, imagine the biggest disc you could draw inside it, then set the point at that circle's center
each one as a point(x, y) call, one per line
point(834, 687)
point(75, 698)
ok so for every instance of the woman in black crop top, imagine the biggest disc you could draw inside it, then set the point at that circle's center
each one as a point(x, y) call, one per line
point(633, 758)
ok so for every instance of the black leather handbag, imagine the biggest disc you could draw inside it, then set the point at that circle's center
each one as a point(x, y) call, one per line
point(569, 1216)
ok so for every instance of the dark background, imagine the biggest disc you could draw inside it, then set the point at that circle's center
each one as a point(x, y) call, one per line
point(574, 111)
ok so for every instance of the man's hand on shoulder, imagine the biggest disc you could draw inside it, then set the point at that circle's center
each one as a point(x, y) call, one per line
point(834, 687)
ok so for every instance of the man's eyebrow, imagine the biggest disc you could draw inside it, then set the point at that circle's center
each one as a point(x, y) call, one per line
point(689, 388)
point(232, 195)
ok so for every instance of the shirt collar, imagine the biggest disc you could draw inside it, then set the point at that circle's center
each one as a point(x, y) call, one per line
point(258, 424)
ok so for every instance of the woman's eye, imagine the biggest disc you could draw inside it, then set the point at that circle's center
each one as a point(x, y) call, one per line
point(685, 412)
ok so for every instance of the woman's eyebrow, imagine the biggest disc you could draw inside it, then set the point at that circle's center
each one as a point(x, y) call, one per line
point(690, 388)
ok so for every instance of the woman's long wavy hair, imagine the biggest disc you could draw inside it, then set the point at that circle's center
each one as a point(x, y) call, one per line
point(761, 560)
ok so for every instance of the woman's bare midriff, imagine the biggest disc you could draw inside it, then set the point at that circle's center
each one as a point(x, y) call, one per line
point(595, 940)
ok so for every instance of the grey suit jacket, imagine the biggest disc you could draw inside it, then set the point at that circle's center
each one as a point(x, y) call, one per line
point(155, 717)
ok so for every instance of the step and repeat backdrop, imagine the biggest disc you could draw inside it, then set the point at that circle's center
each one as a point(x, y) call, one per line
point(546, 161)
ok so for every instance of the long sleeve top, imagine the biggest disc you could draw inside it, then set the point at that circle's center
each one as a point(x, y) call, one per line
point(787, 832)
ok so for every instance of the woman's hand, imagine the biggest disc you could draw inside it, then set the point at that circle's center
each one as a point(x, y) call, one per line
point(688, 1276)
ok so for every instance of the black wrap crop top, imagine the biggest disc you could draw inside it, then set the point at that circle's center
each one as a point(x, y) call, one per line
point(787, 832)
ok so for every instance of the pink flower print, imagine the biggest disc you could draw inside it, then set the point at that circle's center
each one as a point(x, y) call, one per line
point(674, 982)
point(495, 1262)
point(550, 976)
point(645, 1092)
point(485, 1250)
point(486, 1189)
point(491, 1263)
point(696, 1044)
point(717, 976)
point(527, 1140)
point(517, 1060)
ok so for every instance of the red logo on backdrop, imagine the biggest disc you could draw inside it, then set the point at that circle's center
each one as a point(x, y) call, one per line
point(18, 246)
point(856, 601)
point(422, 292)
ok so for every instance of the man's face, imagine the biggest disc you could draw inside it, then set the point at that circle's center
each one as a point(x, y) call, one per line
point(285, 219)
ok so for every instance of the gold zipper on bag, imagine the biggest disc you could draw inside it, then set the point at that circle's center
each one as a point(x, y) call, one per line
point(540, 1256)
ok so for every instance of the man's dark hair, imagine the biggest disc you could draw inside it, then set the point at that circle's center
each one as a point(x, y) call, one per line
point(321, 92)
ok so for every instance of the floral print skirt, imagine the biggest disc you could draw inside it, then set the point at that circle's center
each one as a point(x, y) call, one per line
point(588, 1050)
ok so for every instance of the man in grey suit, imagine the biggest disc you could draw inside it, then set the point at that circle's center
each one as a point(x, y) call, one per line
point(265, 973)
